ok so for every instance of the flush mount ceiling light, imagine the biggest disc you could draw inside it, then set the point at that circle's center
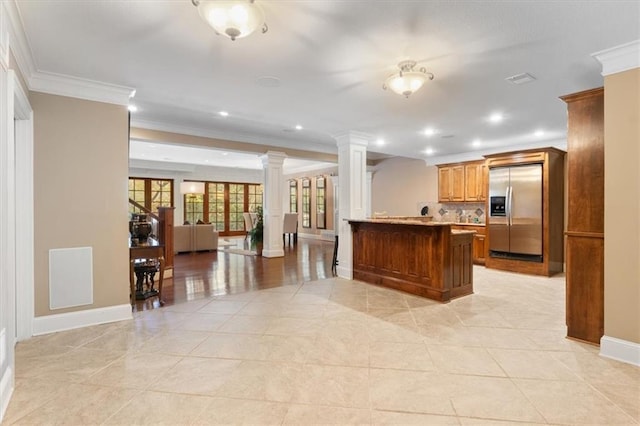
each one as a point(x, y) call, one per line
point(408, 80)
point(233, 19)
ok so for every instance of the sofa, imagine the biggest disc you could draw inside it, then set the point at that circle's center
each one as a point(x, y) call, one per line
point(187, 238)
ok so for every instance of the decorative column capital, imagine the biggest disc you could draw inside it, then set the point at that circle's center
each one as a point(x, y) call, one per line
point(274, 158)
point(353, 138)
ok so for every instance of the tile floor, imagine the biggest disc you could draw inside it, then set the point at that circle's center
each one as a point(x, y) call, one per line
point(331, 352)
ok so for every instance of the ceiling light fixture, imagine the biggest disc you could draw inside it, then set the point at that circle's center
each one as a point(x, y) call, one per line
point(428, 151)
point(233, 19)
point(539, 133)
point(298, 127)
point(224, 113)
point(408, 80)
point(430, 131)
point(133, 108)
point(380, 142)
point(476, 143)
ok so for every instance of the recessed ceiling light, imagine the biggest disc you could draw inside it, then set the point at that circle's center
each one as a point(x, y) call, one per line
point(132, 94)
point(430, 131)
point(539, 133)
point(133, 108)
point(476, 142)
point(224, 113)
point(298, 127)
point(225, 153)
point(206, 161)
point(380, 142)
point(429, 151)
point(496, 117)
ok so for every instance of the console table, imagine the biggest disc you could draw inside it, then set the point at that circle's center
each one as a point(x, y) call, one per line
point(149, 250)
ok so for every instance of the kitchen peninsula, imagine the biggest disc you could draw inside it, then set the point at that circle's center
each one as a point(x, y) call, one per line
point(427, 259)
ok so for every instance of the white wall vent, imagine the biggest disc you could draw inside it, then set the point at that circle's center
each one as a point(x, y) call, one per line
point(70, 277)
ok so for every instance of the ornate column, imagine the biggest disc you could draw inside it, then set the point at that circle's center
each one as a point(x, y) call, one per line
point(352, 187)
point(273, 214)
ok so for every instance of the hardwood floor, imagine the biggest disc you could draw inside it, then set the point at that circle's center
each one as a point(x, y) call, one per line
point(205, 274)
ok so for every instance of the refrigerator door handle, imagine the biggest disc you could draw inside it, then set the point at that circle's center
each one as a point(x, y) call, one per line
point(509, 204)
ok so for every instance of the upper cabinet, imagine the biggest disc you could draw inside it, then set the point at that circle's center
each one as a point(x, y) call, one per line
point(451, 183)
point(462, 182)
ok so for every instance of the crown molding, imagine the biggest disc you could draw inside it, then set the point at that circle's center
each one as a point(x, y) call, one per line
point(619, 58)
point(18, 38)
point(4, 37)
point(46, 82)
point(64, 85)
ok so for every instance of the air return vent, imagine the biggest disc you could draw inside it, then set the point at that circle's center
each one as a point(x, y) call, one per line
point(521, 78)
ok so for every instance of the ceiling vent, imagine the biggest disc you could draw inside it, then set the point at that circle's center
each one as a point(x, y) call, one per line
point(521, 78)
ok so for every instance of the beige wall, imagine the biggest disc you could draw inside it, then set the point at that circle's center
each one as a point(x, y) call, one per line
point(80, 192)
point(400, 184)
point(622, 207)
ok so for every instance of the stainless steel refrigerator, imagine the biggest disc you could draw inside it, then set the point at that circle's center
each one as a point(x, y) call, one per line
point(515, 212)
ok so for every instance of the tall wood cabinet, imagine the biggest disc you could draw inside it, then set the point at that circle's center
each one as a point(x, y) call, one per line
point(585, 221)
point(552, 161)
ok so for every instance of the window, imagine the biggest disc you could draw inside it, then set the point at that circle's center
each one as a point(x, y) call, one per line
point(194, 208)
point(236, 207)
point(320, 203)
point(255, 196)
point(293, 196)
point(223, 204)
point(216, 204)
point(306, 203)
point(150, 193)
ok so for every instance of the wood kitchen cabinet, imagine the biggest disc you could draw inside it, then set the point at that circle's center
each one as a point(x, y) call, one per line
point(475, 181)
point(462, 182)
point(451, 183)
point(585, 219)
point(479, 247)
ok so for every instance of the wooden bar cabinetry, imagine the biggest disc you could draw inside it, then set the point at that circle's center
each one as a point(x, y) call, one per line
point(585, 221)
point(426, 259)
point(479, 246)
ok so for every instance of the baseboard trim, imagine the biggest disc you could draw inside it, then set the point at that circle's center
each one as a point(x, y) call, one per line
point(70, 320)
point(344, 272)
point(620, 350)
point(6, 390)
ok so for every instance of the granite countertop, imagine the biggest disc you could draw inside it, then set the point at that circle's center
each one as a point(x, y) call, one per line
point(397, 221)
point(468, 224)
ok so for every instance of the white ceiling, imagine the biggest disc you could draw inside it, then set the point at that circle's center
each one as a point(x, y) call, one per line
point(331, 58)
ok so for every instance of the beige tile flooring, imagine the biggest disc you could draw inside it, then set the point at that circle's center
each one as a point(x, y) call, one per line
point(331, 352)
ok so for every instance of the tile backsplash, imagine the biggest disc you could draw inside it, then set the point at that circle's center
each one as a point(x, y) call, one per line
point(455, 212)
